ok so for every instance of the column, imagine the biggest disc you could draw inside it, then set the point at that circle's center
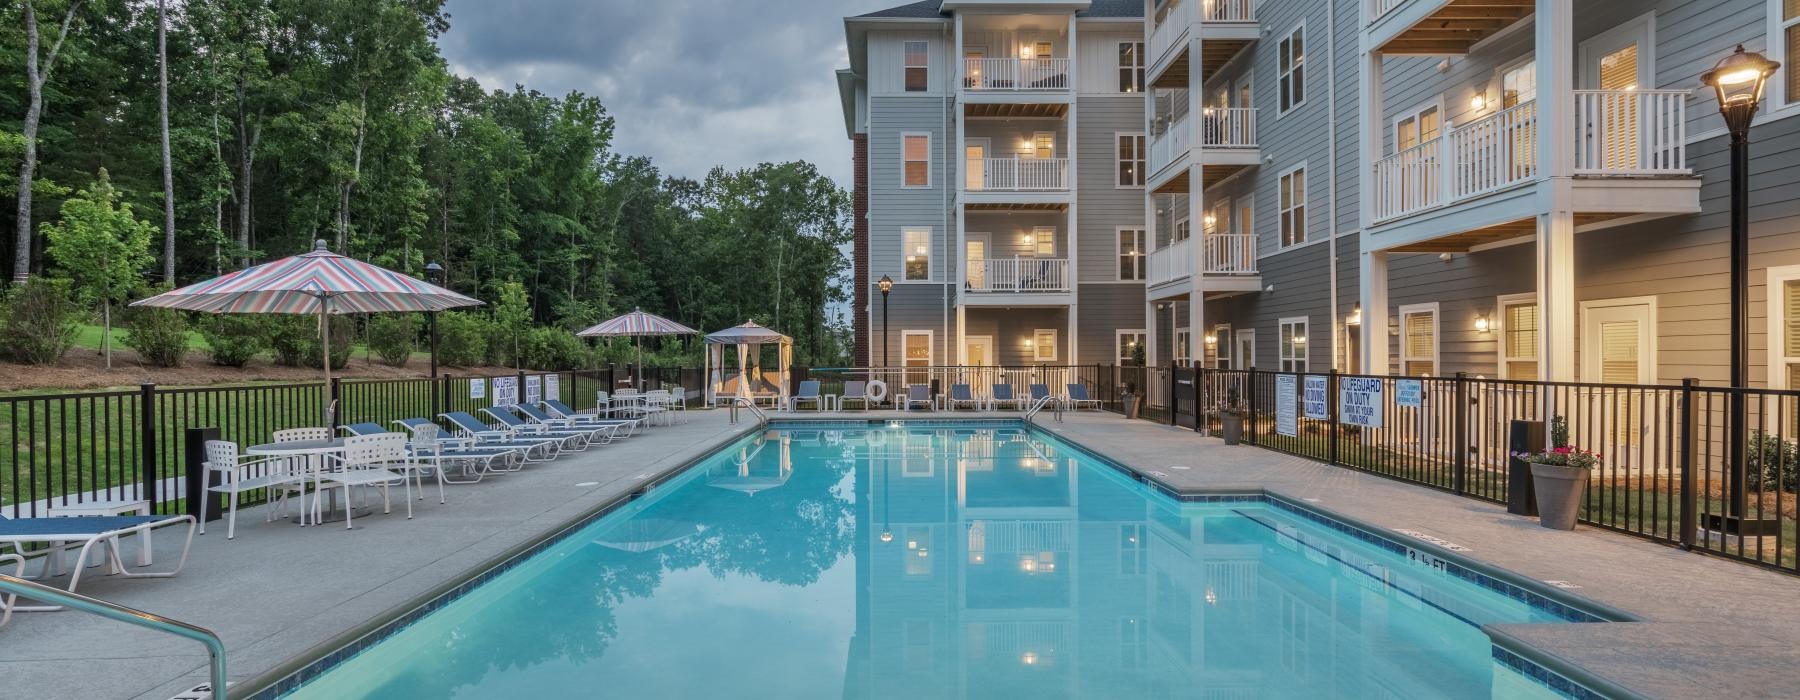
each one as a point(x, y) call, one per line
point(1197, 329)
point(1369, 91)
point(1556, 294)
point(1374, 281)
point(1151, 358)
point(1556, 223)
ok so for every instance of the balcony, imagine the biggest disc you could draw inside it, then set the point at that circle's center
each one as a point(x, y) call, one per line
point(1227, 137)
point(1221, 254)
point(1619, 134)
point(1020, 276)
point(1180, 16)
point(1227, 26)
point(1042, 75)
point(1016, 175)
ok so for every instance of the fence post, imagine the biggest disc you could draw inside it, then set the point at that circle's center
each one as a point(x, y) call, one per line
point(1174, 399)
point(1331, 416)
point(610, 379)
point(442, 397)
point(1459, 477)
point(1688, 447)
point(1250, 402)
point(1199, 399)
point(147, 431)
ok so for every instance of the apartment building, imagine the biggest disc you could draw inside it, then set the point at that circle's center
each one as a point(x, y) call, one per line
point(1528, 189)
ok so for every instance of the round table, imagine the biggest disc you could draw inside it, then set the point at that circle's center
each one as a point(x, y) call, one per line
point(303, 448)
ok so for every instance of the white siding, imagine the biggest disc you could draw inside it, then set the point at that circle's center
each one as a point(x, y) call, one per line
point(887, 62)
point(1097, 68)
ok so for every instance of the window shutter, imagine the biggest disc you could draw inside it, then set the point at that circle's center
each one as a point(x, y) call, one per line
point(1522, 331)
point(1619, 352)
point(1791, 314)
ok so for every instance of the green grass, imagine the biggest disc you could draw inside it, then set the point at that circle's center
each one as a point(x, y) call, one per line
point(90, 337)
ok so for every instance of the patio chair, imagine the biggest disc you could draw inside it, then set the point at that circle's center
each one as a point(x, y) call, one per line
point(1078, 397)
point(9, 600)
point(600, 433)
point(858, 391)
point(575, 440)
point(678, 401)
point(431, 445)
point(362, 429)
point(86, 533)
point(371, 461)
point(962, 394)
point(1039, 392)
point(467, 425)
point(917, 394)
point(1003, 396)
point(808, 393)
point(237, 475)
point(628, 426)
point(459, 439)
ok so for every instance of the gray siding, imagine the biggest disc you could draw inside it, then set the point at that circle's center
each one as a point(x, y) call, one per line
point(1010, 328)
point(1104, 309)
point(893, 208)
point(1103, 207)
point(915, 307)
point(1006, 232)
point(1301, 290)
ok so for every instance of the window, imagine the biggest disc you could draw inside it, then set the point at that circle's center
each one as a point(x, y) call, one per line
point(1131, 159)
point(1132, 256)
point(1243, 98)
point(1293, 207)
point(1043, 345)
point(1518, 84)
point(918, 62)
point(1293, 344)
point(915, 160)
point(1784, 327)
point(973, 58)
point(1184, 347)
point(1221, 346)
point(1245, 206)
point(1130, 347)
point(915, 348)
point(1519, 337)
point(1041, 241)
point(1787, 37)
point(1043, 145)
point(1292, 66)
point(917, 249)
point(1418, 340)
point(1416, 127)
point(1181, 231)
point(1131, 66)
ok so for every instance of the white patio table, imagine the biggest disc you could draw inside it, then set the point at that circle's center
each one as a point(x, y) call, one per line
point(304, 448)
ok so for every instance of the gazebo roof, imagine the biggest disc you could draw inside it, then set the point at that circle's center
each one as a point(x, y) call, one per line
point(750, 333)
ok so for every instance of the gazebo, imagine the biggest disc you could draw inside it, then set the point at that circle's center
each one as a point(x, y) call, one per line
point(749, 339)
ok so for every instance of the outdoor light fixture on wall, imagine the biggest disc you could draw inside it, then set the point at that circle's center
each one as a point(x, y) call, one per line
point(1355, 318)
point(1481, 324)
point(1478, 102)
point(1212, 339)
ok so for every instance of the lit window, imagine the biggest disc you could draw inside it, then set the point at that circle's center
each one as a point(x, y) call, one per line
point(1293, 207)
point(916, 160)
point(1042, 241)
point(1132, 256)
point(918, 63)
point(1292, 66)
point(1131, 348)
point(1519, 339)
point(1131, 66)
point(1789, 36)
point(917, 249)
point(1293, 344)
point(1418, 340)
point(1043, 345)
point(1131, 160)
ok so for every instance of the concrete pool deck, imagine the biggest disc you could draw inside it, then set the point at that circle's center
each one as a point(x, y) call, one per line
point(1710, 627)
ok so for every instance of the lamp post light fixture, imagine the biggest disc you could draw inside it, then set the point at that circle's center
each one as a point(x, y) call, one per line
point(434, 273)
point(1738, 82)
point(887, 285)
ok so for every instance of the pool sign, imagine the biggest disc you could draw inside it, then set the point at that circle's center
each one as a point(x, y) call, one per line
point(1409, 393)
point(1359, 402)
point(1287, 421)
point(478, 388)
point(553, 387)
point(534, 389)
point(1318, 396)
point(506, 391)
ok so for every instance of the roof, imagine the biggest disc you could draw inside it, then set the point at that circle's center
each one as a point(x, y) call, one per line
point(933, 9)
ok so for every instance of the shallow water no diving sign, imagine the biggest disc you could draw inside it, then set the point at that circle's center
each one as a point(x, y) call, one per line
point(1318, 394)
point(1360, 401)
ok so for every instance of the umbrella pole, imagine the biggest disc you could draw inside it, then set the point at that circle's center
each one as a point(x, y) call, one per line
point(325, 335)
point(640, 363)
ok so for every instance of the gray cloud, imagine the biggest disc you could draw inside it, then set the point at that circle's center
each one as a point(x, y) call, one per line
point(693, 83)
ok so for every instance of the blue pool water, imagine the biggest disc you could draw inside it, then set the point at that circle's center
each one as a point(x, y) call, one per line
point(925, 562)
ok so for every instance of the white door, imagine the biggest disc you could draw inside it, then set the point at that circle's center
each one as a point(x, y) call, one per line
point(975, 168)
point(978, 351)
point(1245, 357)
point(1618, 346)
point(1620, 61)
point(976, 257)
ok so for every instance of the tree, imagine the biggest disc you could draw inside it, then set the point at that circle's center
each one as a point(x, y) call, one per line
point(168, 166)
point(102, 248)
point(37, 72)
point(512, 317)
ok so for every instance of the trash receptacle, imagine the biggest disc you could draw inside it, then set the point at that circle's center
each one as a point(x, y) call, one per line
point(1131, 405)
point(1522, 436)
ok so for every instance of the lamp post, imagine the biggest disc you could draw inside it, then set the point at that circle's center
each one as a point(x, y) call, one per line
point(434, 273)
point(887, 285)
point(1738, 80)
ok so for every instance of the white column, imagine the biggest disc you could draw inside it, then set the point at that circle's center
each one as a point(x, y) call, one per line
point(1369, 93)
point(1074, 339)
point(1556, 294)
point(1555, 88)
point(1197, 329)
point(1151, 357)
point(962, 335)
point(1374, 281)
point(1556, 223)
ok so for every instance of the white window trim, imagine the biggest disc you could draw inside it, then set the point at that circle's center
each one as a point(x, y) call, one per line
point(1032, 148)
point(1249, 225)
point(1184, 337)
point(1500, 305)
point(1222, 342)
point(1778, 278)
point(930, 263)
point(1305, 358)
point(1223, 212)
point(1644, 26)
point(1142, 165)
point(930, 177)
point(1037, 348)
point(1776, 90)
point(904, 67)
point(1039, 234)
point(930, 346)
point(1244, 85)
point(1176, 226)
point(1418, 109)
point(1437, 336)
point(1651, 334)
point(1119, 342)
point(1280, 244)
point(1142, 67)
point(1143, 241)
point(1305, 48)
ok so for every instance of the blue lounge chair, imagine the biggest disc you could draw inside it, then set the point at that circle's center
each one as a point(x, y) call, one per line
point(917, 394)
point(627, 426)
point(858, 391)
point(363, 429)
point(467, 425)
point(89, 532)
point(574, 440)
point(441, 451)
point(1003, 396)
point(1078, 397)
point(1039, 392)
point(962, 394)
point(808, 393)
point(595, 433)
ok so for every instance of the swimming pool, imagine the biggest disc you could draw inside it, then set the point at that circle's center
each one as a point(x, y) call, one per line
point(936, 560)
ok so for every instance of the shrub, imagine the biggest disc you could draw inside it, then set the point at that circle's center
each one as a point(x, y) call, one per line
point(554, 349)
point(232, 341)
point(40, 321)
point(393, 337)
point(291, 338)
point(158, 335)
point(1772, 462)
point(462, 339)
point(343, 337)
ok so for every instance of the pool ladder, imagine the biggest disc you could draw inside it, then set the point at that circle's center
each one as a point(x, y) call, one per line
point(1056, 407)
point(215, 648)
point(762, 419)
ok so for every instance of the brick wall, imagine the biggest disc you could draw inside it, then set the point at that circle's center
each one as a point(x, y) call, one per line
point(860, 248)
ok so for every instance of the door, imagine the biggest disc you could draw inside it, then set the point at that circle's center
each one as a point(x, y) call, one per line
point(976, 257)
point(1245, 357)
point(978, 351)
point(974, 61)
point(975, 164)
point(1618, 61)
point(1618, 346)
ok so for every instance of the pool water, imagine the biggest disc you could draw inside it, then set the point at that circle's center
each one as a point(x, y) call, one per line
point(886, 561)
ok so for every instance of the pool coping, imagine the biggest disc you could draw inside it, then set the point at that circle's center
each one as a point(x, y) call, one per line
point(1555, 673)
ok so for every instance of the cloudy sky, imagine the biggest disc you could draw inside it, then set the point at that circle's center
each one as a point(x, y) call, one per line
point(692, 83)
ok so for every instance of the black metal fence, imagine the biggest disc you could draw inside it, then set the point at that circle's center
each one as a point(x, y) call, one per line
point(1667, 468)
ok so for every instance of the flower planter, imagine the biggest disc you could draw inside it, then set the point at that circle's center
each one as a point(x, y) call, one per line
point(1560, 491)
point(1231, 427)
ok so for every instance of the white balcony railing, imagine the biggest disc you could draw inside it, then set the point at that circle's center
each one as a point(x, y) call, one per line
point(1016, 175)
point(1233, 127)
point(1170, 144)
point(1230, 253)
point(1631, 132)
point(1619, 133)
point(1171, 262)
point(1020, 275)
point(1228, 11)
point(1377, 8)
point(1017, 74)
point(1180, 15)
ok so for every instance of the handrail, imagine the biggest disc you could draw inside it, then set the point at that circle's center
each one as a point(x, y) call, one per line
point(762, 419)
point(215, 647)
point(1038, 405)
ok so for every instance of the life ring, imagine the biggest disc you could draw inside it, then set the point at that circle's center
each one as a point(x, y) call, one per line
point(876, 391)
point(876, 438)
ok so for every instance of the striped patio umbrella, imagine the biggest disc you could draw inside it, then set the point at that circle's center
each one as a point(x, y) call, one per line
point(637, 324)
point(320, 282)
